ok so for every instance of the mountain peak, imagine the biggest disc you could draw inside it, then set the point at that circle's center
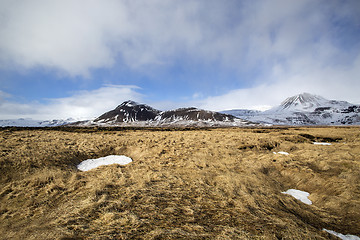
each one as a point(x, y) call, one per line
point(129, 103)
point(129, 111)
point(303, 101)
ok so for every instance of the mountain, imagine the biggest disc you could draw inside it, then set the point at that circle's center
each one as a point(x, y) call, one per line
point(197, 117)
point(193, 114)
point(308, 109)
point(128, 111)
point(131, 113)
point(241, 112)
point(301, 109)
point(307, 102)
point(27, 122)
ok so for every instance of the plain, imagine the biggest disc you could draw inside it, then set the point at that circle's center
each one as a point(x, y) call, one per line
point(215, 183)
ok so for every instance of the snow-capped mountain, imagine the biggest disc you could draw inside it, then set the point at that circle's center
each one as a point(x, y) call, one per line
point(197, 117)
point(27, 122)
point(130, 113)
point(193, 114)
point(308, 109)
point(302, 109)
point(241, 112)
point(307, 102)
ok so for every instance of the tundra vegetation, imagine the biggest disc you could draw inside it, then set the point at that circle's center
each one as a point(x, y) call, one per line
point(218, 183)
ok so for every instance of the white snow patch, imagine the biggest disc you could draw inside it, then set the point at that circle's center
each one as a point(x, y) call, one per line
point(321, 143)
point(284, 153)
point(342, 236)
point(111, 159)
point(299, 195)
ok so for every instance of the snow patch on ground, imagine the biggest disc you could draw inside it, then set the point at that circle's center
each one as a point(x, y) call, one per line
point(342, 236)
point(321, 143)
point(300, 195)
point(284, 153)
point(112, 159)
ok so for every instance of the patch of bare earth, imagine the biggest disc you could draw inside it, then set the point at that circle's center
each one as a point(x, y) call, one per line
point(183, 184)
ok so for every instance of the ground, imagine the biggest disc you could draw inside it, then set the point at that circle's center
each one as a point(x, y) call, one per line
point(222, 183)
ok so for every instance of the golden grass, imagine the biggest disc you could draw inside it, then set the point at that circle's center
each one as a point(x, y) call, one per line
point(183, 184)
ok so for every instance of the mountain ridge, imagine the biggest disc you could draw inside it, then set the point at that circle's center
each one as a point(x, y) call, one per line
point(300, 109)
point(131, 113)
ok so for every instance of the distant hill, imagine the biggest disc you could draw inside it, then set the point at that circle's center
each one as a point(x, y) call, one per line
point(27, 122)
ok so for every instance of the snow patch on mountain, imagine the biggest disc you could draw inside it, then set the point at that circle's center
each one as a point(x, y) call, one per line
point(130, 103)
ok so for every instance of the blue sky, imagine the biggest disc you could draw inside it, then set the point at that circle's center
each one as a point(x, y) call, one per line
point(61, 59)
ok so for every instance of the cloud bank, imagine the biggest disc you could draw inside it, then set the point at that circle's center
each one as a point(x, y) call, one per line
point(75, 36)
point(276, 48)
point(81, 105)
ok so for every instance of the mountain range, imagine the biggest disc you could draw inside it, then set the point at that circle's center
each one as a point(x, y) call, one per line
point(305, 109)
point(301, 109)
point(131, 113)
point(28, 122)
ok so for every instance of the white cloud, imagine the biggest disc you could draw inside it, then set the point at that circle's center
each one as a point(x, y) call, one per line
point(332, 82)
point(290, 46)
point(81, 105)
point(297, 48)
point(76, 36)
point(65, 35)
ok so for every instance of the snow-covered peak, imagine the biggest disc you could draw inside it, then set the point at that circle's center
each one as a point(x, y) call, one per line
point(128, 111)
point(306, 102)
point(303, 101)
point(129, 103)
point(308, 109)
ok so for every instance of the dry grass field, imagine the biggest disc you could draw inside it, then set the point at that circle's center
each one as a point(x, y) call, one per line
point(223, 183)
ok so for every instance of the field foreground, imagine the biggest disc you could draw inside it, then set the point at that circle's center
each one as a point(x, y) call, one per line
point(182, 184)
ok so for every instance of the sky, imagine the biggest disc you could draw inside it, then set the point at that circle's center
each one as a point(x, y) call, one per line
point(79, 59)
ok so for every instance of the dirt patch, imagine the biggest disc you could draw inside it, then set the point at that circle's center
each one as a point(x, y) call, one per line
point(182, 183)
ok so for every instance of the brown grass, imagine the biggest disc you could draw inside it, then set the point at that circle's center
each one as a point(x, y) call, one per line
point(198, 184)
